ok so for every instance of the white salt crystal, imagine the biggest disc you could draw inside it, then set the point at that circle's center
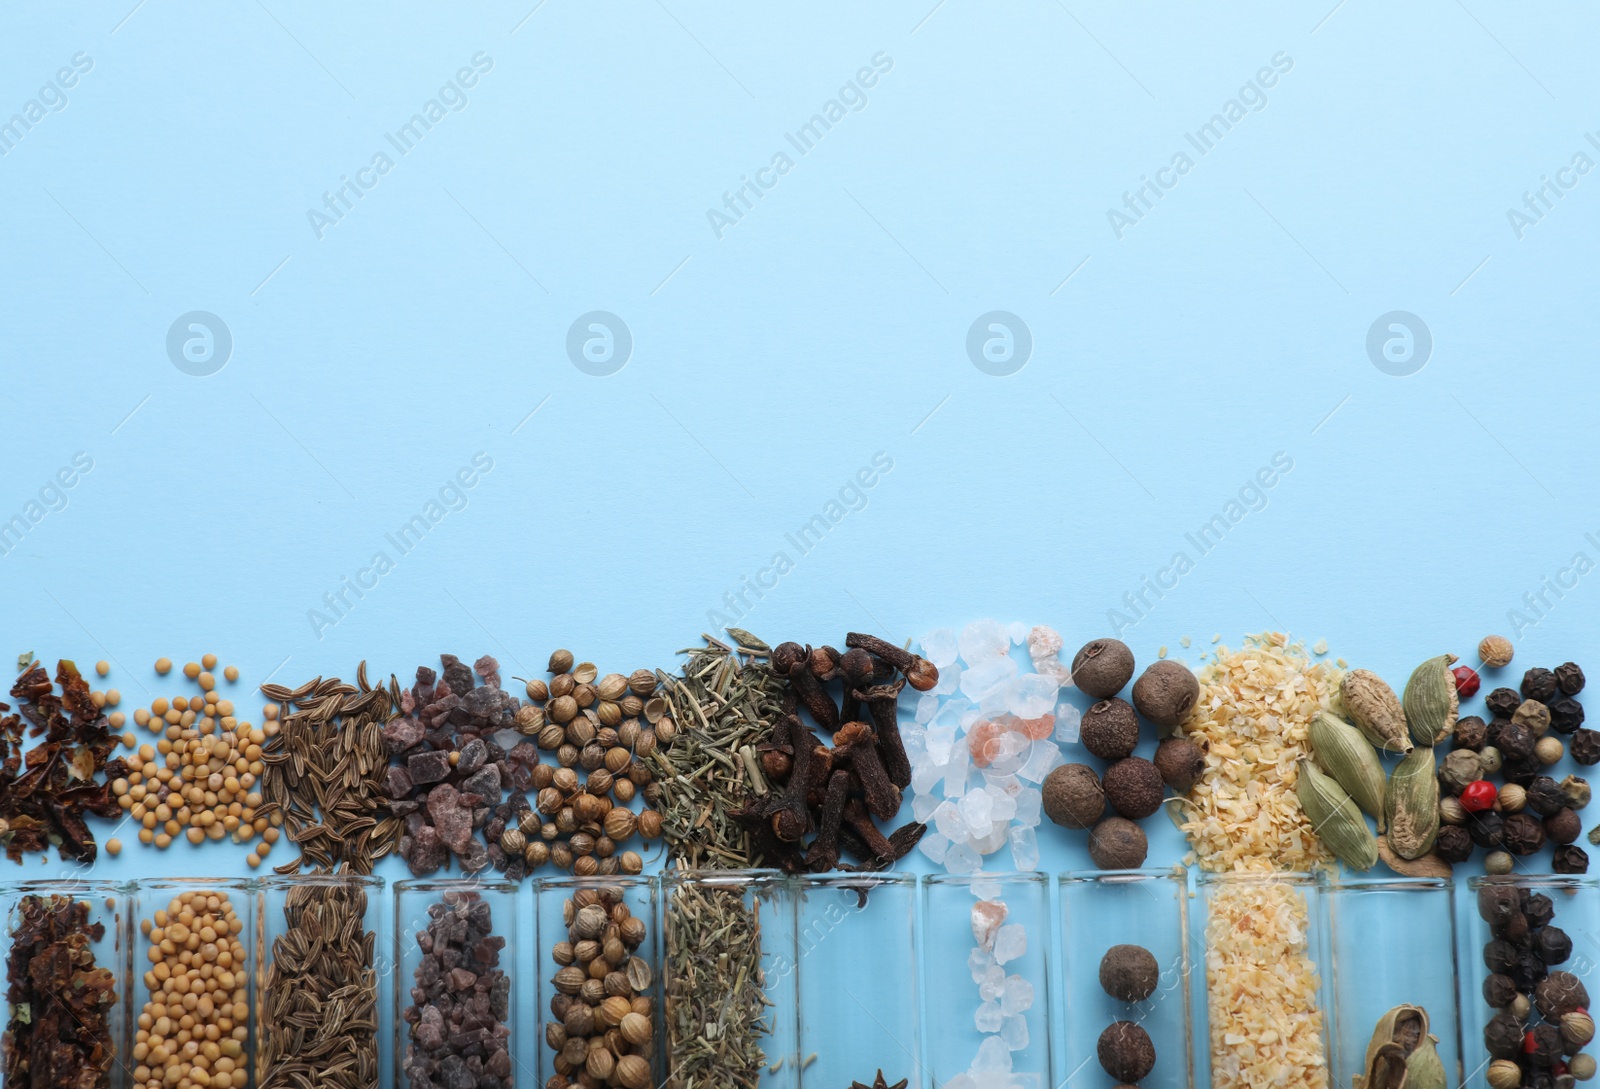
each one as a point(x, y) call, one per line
point(934, 846)
point(975, 810)
point(1029, 803)
point(1031, 695)
point(988, 1018)
point(993, 1054)
point(1010, 942)
point(1014, 1031)
point(927, 707)
point(940, 740)
point(978, 963)
point(1024, 848)
point(1017, 631)
point(939, 646)
point(922, 806)
point(1043, 757)
point(1043, 642)
point(961, 858)
point(1068, 718)
point(948, 821)
point(970, 718)
point(1003, 806)
point(982, 640)
point(949, 680)
point(1017, 997)
point(961, 1081)
point(987, 677)
point(955, 777)
point(994, 704)
point(925, 774)
point(987, 888)
point(996, 839)
point(993, 984)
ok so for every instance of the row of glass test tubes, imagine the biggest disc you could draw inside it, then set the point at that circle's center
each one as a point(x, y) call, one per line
point(864, 972)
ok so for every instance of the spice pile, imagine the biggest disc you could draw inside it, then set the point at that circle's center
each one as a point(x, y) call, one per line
point(196, 1023)
point(199, 779)
point(325, 763)
point(1003, 998)
point(603, 1028)
point(984, 741)
point(1076, 797)
point(460, 1002)
point(59, 1001)
point(319, 1008)
point(1522, 955)
point(1128, 973)
point(66, 775)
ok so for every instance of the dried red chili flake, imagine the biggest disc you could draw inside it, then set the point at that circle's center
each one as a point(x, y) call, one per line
point(64, 776)
point(58, 1033)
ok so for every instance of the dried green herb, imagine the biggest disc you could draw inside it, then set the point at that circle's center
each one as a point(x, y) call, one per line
point(717, 1011)
point(58, 1035)
point(725, 705)
point(319, 1008)
point(325, 773)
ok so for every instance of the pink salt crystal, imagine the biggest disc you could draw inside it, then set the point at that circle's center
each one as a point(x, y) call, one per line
point(1037, 729)
point(984, 741)
point(987, 917)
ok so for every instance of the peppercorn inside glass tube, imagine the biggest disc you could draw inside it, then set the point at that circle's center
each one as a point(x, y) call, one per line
point(67, 983)
point(1265, 999)
point(598, 966)
point(728, 978)
point(986, 979)
point(856, 977)
point(1528, 946)
point(455, 958)
point(1126, 972)
point(192, 947)
point(322, 1010)
point(1394, 979)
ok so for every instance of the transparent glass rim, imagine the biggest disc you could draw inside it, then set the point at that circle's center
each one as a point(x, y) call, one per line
point(750, 878)
point(872, 879)
point(1123, 877)
point(453, 884)
point(1538, 880)
point(323, 880)
point(1294, 878)
point(1008, 877)
point(238, 884)
point(35, 885)
point(594, 881)
point(1394, 883)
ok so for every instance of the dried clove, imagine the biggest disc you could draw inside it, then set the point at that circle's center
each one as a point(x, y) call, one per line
point(883, 702)
point(855, 744)
point(824, 853)
point(922, 673)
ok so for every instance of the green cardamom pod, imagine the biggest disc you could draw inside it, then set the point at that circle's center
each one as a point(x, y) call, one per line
point(1372, 706)
point(1402, 1054)
point(1334, 818)
point(1386, 1069)
point(1344, 753)
point(1412, 804)
point(1430, 701)
point(1424, 1068)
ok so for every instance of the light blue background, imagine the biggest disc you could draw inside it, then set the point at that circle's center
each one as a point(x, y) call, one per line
point(830, 324)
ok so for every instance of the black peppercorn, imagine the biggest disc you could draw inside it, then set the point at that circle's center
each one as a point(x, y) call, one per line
point(1559, 993)
point(1502, 1036)
point(1569, 678)
point(1514, 740)
point(1454, 844)
point(1528, 971)
point(1552, 945)
point(1487, 829)
point(1570, 859)
point(1524, 834)
point(1566, 714)
point(1563, 827)
point(1546, 1046)
point(1514, 929)
point(1539, 684)
point(1499, 990)
point(1497, 903)
point(1471, 733)
point(1125, 1051)
point(1585, 747)
point(1545, 797)
point(1500, 956)
point(1538, 909)
point(1502, 702)
point(1522, 772)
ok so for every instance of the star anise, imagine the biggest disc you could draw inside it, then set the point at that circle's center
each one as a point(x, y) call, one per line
point(880, 1082)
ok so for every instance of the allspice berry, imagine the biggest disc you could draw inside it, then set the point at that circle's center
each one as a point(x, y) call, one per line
point(1180, 763)
point(1102, 667)
point(1563, 827)
point(1495, 651)
point(1166, 692)
point(1560, 993)
point(1129, 973)
point(1110, 729)
point(1134, 787)
point(1125, 1051)
point(1116, 843)
point(1073, 797)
